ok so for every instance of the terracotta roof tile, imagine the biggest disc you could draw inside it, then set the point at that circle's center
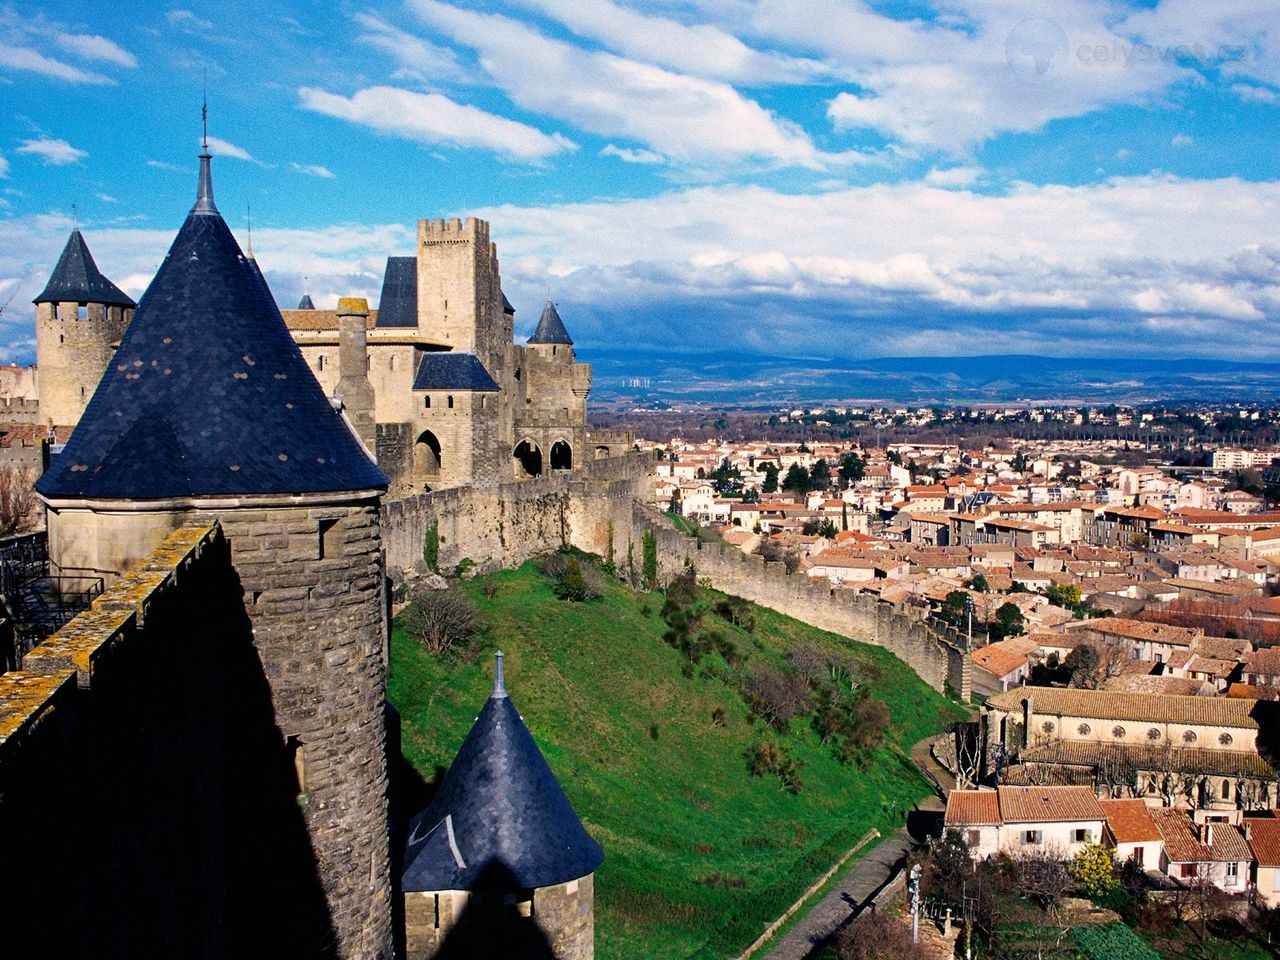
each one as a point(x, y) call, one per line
point(1130, 821)
point(1264, 841)
point(971, 808)
point(1139, 707)
point(1048, 804)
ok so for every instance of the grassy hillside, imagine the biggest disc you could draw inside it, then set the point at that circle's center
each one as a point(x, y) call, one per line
point(699, 854)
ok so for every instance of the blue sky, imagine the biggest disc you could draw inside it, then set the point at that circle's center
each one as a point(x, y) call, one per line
point(802, 177)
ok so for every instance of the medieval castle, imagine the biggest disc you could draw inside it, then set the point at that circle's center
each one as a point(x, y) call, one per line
point(224, 478)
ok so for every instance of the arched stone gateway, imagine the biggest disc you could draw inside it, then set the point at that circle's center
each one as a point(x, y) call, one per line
point(602, 453)
point(526, 458)
point(561, 456)
point(426, 457)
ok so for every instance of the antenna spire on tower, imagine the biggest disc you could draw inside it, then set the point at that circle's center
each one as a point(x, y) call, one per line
point(248, 215)
point(204, 112)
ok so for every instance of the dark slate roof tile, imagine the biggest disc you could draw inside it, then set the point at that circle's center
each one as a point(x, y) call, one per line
point(208, 394)
point(507, 306)
point(453, 371)
point(551, 328)
point(306, 302)
point(398, 305)
point(499, 812)
point(77, 278)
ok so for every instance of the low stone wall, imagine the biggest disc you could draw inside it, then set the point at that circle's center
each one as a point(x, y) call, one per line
point(506, 524)
point(935, 651)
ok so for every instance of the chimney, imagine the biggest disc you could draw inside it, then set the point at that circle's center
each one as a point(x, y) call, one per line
point(1207, 834)
point(354, 389)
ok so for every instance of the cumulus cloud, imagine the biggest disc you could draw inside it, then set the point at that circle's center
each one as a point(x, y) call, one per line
point(52, 152)
point(1181, 140)
point(433, 118)
point(1250, 93)
point(26, 42)
point(703, 49)
point(680, 116)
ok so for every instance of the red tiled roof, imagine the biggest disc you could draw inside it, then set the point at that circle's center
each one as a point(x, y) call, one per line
point(1048, 804)
point(1183, 843)
point(1264, 840)
point(971, 808)
point(1129, 820)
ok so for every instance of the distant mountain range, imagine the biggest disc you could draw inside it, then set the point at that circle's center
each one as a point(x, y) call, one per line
point(725, 378)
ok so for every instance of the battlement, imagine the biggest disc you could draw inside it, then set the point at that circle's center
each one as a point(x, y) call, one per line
point(442, 231)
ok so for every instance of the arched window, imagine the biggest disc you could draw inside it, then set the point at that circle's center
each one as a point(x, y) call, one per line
point(561, 456)
point(450, 402)
point(320, 362)
point(426, 402)
point(526, 459)
point(1226, 789)
point(426, 456)
point(391, 363)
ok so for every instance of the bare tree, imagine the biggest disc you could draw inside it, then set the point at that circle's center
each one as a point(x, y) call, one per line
point(878, 936)
point(441, 619)
point(18, 501)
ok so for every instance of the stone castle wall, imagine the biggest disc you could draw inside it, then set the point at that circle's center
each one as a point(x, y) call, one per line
point(151, 806)
point(506, 524)
point(935, 651)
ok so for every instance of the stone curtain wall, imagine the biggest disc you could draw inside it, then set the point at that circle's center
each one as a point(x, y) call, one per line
point(509, 523)
point(150, 806)
point(936, 652)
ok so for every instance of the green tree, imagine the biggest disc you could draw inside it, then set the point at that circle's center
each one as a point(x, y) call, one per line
point(797, 479)
point(1063, 595)
point(852, 469)
point(955, 608)
point(978, 583)
point(819, 528)
point(770, 484)
point(820, 476)
point(431, 547)
point(1009, 622)
point(649, 559)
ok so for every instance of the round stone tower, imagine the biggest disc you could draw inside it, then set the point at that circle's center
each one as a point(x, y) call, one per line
point(208, 412)
point(499, 864)
point(80, 318)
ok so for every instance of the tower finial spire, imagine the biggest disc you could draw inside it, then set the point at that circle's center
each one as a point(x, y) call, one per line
point(204, 112)
point(75, 217)
point(499, 686)
point(248, 216)
point(204, 191)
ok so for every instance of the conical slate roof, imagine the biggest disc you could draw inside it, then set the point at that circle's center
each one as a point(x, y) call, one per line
point(551, 327)
point(208, 394)
point(77, 278)
point(306, 302)
point(499, 812)
point(398, 305)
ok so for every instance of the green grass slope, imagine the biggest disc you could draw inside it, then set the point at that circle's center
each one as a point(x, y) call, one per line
point(699, 855)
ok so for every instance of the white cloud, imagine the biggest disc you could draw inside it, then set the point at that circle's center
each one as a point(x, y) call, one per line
point(417, 58)
point(433, 118)
point(1181, 140)
point(93, 47)
point(222, 148)
point(186, 20)
point(683, 117)
point(1253, 94)
point(632, 156)
point(171, 167)
point(953, 176)
point(4, 168)
point(703, 50)
point(24, 58)
point(106, 198)
point(313, 170)
point(54, 153)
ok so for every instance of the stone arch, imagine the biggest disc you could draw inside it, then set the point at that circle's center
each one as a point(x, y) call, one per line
point(526, 459)
point(602, 453)
point(561, 455)
point(426, 457)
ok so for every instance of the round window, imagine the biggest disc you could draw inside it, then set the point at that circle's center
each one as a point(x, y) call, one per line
point(1118, 732)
